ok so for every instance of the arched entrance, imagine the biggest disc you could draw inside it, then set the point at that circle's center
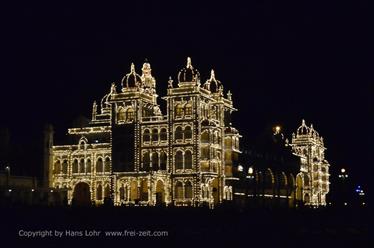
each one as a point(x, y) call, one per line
point(215, 191)
point(160, 193)
point(81, 195)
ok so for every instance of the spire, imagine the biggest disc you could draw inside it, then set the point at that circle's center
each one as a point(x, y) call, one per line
point(212, 76)
point(189, 65)
point(132, 68)
point(303, 122)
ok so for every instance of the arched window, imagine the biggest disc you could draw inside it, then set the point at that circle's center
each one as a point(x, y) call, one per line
point(107, 164)
point(122, 193)
point(163, 134)
point(57, 167)
point(154, 135)
point(88, 166)
point(130, 114)
point(121, 115)
point(179, 190)
point(99, 165)
point(163, 160)
point(107, 191)
point(81, 166)
point(155, 161)
point(188, 190)
point(188, 159)
point(188, 109)
point(146, 135)
point(188, 132)
point(75, 166)
point(179, 160)
point(99, 192)
point(146, 161)
point(179, 133)
point(205, 152)
point(65, 167)
point(179, 110)
point(205, 136)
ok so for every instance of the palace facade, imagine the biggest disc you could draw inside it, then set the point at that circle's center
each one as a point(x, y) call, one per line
point(132, 153)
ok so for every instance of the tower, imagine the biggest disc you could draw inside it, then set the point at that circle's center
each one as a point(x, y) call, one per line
point(313, 178)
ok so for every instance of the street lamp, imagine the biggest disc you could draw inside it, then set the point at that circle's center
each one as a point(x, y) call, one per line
point(343, 173)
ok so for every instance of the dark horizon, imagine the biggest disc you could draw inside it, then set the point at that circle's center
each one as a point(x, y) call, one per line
point(283, 63)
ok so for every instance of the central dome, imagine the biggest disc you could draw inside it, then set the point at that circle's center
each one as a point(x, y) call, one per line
point(189, 74)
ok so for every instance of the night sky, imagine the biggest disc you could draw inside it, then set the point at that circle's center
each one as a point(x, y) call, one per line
point(283, 61)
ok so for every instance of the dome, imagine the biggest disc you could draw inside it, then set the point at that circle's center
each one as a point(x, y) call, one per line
point(132, 79)
point(189, 74)
point(303, 129)
point(212, 84)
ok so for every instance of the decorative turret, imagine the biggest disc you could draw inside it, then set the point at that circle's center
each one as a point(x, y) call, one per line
point(189, 74)
point(131, 80)
point(213, 85)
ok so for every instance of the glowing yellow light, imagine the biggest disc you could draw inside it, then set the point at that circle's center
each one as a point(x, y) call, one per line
point(277, 129)
point(250, 170)
point(342, 170)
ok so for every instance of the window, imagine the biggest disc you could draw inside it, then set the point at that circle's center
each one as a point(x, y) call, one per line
point(163, 160)
point(179, 160)
point(88, 166)
point(179, 190)
point(188, 109)
point(75, 166)
point(146, 135)
point(57, 168)
point(99, 165)
point(122, 193)
point(188, 159)
point(155, 161)
point(188, 133)
point(130, 114)
point(99, 192)
point(163, 134)
point(179, 110)
point(205, 137)
point(146, 161)
point(65, 167)
point(107, 165)
point(154, 135)
point(81, 166)
point(121, 114)
point(188, 190)
point(107, 191)
point(178, 133)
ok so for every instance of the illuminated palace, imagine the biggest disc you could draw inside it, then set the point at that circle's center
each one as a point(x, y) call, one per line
point(132, 153)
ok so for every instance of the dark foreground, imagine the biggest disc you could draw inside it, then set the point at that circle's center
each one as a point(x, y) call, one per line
point(186, 227)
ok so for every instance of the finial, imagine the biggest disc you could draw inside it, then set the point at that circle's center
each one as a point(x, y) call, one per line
point(229, 95)
point(189, 62)
point(212, 76)
point(303, 122)
point(170, 82)
point(311, 126)
point(145, 60)
point(132, 67)
point(113, 88)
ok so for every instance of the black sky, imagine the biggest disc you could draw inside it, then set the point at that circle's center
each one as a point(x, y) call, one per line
point(283, 61)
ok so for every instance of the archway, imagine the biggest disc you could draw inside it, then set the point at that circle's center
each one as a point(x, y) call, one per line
point(160, 193)
point(81, 195)
point(215, 191)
